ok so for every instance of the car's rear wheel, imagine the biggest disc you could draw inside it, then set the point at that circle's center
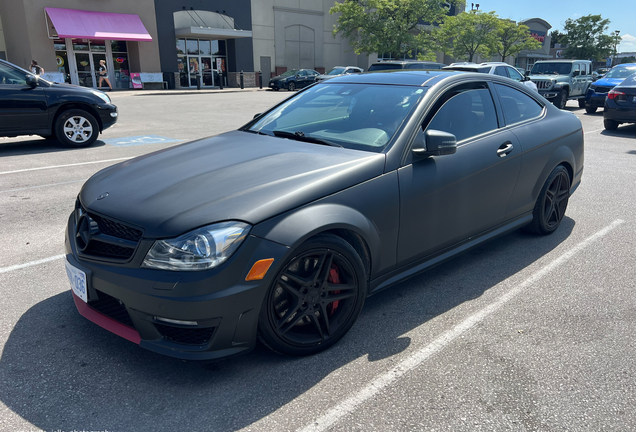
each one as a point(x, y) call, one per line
point(315, 298)
point(550, 207)
point(561, 99)
point(581, 103)
point(590, 109)
point(291, 86)
point(76, 128)
point(610, 124)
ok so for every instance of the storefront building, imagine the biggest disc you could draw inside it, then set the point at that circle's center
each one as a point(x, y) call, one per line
point(539, 30)
point(69, 39)
point(3, 47)
point(205, 42)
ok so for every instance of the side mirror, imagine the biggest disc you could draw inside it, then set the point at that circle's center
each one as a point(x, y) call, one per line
point(32, 81)
point(526, 78)
point(434, 143)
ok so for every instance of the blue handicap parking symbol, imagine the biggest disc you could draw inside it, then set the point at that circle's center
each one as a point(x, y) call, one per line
point(138, 140)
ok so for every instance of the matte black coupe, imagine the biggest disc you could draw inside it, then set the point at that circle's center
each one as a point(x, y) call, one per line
point(279, 231)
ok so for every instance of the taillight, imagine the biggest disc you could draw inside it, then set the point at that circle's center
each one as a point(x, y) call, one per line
point(615, 94)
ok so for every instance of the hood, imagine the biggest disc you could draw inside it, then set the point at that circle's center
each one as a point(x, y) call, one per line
point(234, 176)
point(547, 77)
point(608, 82)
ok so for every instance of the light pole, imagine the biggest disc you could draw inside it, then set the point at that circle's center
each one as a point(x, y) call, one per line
point(616, 36)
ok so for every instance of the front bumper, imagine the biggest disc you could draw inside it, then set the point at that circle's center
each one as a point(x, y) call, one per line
point(276, 85)
point(593, 99)
point(108, 115)
point(131, 301)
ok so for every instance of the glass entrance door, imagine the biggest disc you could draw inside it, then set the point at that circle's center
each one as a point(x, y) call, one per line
point(96, 58)
point(84, 69)
point(193, 69)
point(206, 66)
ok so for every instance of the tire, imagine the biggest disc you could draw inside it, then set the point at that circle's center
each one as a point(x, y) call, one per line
point(302, 313)
point(590, 109)
point(581, 103)
point(291, 86)
point(76, 128)
point(275, 88)
point(610, 124)
point(561, 99)
point(552, 202)
point(48, 137)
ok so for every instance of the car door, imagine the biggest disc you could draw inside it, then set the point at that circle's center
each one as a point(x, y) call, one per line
point(23, 109)
point(577, 80)
point(447, 199)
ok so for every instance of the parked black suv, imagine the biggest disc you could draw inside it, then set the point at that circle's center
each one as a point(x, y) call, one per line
point(30, 105)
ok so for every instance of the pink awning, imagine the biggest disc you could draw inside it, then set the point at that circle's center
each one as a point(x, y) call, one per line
point(71, 23)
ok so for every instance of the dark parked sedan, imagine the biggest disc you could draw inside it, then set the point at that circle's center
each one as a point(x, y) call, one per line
point(620, 105)
point(598, 90)
point(30, 105)
point(282, 228)
point(293, 79)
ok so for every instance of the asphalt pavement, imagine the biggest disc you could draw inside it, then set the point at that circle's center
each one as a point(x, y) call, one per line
point(525, 333)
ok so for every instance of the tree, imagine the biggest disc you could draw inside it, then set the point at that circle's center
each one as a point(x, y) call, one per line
point(630, 59)
point(513, 38)
point(469, 33)
point(586, 38)
point(556, 37)
point(393, 26)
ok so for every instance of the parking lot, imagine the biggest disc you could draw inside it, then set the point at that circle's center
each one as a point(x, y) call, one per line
point(523, 333)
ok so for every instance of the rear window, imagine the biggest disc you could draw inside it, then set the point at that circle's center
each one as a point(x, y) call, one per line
point(385, 66)
point(629, 81)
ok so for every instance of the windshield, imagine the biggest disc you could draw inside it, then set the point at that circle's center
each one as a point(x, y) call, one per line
point(621, 72)
point(354, 116)
point(289, 73)
point(336, 71)
point(468, 69)
point(551, 69)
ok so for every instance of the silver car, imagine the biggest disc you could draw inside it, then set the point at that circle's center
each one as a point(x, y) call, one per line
point(339, 71)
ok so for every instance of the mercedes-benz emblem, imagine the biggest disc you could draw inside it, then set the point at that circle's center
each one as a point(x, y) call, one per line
point(102, 196)
point(83, 232)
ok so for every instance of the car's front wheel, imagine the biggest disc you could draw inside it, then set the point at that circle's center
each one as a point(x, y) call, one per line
point(610, 124)
point(561, 99)
point(315, 298)
point(552, 202)
point(590, 109)
point(291, 86)
point(76, 128)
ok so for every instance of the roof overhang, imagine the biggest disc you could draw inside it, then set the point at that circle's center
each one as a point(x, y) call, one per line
point(212, 33)
point(81, 24)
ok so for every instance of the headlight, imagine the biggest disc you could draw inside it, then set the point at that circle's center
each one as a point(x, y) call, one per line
point(102, 96)
point(201, 249)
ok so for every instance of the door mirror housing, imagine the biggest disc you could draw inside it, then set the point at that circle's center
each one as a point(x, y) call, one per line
point(434, 143)
point(32, 81)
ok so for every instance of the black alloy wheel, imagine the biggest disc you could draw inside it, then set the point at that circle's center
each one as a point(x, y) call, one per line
point(552, 202)
point(315, 299)
point(581, 103)
point(291, 86)
point(610, 124)
point(561, 99)
point(590, 109)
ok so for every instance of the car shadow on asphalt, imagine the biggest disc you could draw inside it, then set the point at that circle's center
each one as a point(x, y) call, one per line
point(60, 371)
point(38, 145)
point(623, 131)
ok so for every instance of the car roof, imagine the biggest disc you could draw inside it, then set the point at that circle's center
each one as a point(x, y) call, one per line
point(396, 77)
point(624, 64)
point(561, 61)
point(404, 62)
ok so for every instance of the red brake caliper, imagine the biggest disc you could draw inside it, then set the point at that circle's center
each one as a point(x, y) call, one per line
point(334, 278)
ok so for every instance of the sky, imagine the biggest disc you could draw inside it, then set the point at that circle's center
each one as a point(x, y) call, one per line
point(622, 14)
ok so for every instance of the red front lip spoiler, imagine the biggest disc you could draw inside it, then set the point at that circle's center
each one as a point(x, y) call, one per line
point(105, 322)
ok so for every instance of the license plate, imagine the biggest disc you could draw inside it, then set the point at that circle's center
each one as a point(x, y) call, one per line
point(78, 281)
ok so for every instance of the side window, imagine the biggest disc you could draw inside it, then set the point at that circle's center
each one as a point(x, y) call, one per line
point(466, 113)
point(11, 76)
point(414, 66)
point(514, 74)
point(302, 73)
point(576, 69)
point(516, 105)
point(501, 70)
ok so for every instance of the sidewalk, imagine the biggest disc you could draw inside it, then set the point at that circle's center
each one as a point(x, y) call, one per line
point(182, 91)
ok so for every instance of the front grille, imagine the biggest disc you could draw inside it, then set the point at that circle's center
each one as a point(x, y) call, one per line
point(543, 85)
point(108, 250)
point(601, 89)
point(116, 229)
point(186, 336)
point(112, 308)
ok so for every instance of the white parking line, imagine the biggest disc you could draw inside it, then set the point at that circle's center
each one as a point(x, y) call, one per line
point(30, 264)
point(41, 186)
point(64, 166)
point(336, 413)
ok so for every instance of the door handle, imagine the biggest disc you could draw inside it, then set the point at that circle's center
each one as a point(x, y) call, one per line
point(504, 149)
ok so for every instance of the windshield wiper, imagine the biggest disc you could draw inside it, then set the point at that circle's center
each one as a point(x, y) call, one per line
point(300, 136)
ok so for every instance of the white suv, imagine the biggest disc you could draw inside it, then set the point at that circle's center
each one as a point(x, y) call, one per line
point(339, 71)
point(493, 68)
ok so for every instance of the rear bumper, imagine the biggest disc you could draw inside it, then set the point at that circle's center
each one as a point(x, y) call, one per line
point(613, 111)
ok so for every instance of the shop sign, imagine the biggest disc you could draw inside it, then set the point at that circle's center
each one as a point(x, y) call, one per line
point(136, 80)
point(559, 54)
point(120, 60)
point(59, 60)
point(538, 35)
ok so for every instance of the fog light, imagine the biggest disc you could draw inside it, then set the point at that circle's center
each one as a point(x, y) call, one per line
point(173, 321)
point(113, 114)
